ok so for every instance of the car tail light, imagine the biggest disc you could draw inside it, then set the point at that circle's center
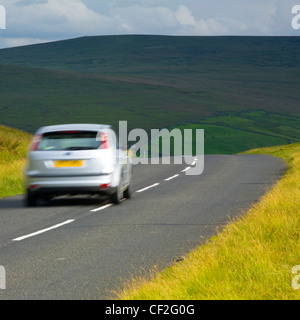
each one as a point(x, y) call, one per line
point(104, 186)
point(33, 186)
point(35, 142)
point(104, 140)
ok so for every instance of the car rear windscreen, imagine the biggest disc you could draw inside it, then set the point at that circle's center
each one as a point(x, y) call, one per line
point(69, 140)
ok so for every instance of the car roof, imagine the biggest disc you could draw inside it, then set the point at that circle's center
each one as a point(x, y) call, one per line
point(74, 126)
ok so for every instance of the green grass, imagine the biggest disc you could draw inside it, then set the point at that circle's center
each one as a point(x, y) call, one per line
point(235, 132)
point(250, 259)
point(13, 150)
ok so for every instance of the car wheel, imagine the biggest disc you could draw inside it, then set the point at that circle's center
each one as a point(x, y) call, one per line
point(128, 192)
point(30, 200)
point(117, 196)
point(48, 197)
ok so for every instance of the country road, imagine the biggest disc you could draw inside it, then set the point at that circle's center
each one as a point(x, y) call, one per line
point(83, 247)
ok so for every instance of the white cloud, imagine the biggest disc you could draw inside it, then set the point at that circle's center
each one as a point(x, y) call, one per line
point(146, 19)
point(56, 16)
point(178, 21)
point(184, 16)
point(189, 25)
point(61, 19)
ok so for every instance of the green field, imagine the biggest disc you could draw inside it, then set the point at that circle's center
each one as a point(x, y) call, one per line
point(244, 91)
point(235, 132)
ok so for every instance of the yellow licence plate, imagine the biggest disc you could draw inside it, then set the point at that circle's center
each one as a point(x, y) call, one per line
point(68, 163)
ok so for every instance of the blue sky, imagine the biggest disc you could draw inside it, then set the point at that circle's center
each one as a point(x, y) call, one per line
point(35, 21)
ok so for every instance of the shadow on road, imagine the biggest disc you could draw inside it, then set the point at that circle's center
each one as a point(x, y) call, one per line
point(84, 200)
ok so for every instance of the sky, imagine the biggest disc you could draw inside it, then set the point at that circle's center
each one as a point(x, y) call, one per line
point(37, 21)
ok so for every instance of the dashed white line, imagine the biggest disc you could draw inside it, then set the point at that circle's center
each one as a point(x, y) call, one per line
point(102, 208)
point(194, 162)
point(186, 169)
point(144, 189)
point(43, 230)
point(173, 177)
point(97, 209)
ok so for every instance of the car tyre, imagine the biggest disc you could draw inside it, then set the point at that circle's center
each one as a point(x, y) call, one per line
point(128, 192)
point(30, 200)
point(117, 196)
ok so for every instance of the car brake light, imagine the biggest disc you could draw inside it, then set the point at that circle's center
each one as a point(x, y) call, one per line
point(33, 186)
point(104, 186)
point(104, 140)
point(35, 142)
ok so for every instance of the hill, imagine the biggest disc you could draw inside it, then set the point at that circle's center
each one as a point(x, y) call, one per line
point(243, 90)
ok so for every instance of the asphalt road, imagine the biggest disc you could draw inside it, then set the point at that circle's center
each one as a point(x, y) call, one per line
point(84, 248)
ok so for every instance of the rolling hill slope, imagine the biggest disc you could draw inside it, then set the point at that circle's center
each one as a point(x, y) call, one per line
point(243, 90)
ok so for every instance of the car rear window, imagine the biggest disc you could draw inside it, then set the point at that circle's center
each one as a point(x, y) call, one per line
point(69, 140)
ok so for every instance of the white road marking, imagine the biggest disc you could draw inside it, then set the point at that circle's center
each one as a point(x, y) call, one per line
point(194, 162)
point(102, 208)
point(42, 231)
point(97, 209)
point(144, 189)
point(173, 177)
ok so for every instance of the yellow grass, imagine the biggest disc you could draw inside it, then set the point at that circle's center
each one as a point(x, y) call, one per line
point(13, 148)
point(252, 258)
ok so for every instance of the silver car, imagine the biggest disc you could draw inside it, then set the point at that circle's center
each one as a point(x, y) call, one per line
point(76, 159)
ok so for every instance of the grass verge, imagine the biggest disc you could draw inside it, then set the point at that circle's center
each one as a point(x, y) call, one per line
point(13, 148)
point(250, 259)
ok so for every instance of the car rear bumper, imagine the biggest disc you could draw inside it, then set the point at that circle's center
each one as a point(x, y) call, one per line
point(42, 185)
